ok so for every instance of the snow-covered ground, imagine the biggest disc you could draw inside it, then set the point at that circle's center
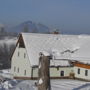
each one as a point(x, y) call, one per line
point(5, 74)
point(56, 84)
point(8, 41)
point(60, 84)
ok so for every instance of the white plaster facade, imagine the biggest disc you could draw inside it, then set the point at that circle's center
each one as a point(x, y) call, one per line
point(20, 61)
point(82, 73)
point(56, 72)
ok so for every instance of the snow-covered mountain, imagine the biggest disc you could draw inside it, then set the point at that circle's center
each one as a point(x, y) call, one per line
point(31, 26)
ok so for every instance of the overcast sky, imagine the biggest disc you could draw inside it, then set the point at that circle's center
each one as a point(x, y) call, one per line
point(70, 16)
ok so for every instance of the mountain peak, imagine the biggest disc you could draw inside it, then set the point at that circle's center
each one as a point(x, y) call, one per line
point(32, 27)
point(28, 22)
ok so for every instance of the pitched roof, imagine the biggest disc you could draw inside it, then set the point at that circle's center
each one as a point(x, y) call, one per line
point(74, 47)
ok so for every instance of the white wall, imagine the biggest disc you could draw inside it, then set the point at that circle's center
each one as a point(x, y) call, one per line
point(56, 73)
point(67, 70)
point(21, 63)
point(82, 73)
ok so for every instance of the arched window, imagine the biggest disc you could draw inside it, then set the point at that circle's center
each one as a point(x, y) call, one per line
point(62, 73)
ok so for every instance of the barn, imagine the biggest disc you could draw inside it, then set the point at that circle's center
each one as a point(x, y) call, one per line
point(70, 55)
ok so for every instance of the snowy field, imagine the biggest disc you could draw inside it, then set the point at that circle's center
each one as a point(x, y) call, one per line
point(60, 84)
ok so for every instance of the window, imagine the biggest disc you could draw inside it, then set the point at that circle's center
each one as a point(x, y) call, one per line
point(14, 69)
point(24, 55)
point(62, 73)
point(86, 72)
point(78, 70)
point(57, 68)
point(24, 72)
point(18, 70)
point(18, 54)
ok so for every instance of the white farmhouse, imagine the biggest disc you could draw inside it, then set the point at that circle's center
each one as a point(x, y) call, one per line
point(70, 55)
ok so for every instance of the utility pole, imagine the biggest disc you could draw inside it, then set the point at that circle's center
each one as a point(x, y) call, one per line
point(44, 73)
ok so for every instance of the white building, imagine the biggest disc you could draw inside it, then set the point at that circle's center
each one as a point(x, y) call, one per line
point(70, 55)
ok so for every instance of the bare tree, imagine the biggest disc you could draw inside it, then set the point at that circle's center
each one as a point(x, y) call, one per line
point(5, 53)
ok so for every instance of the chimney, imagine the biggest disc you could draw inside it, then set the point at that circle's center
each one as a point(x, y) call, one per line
point(56, 31)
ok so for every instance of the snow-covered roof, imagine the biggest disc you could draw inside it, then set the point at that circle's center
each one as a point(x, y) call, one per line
point(73, 47)
point(59, 63)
